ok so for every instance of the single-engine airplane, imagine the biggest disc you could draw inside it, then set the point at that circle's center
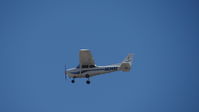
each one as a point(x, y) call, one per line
point(87, 67)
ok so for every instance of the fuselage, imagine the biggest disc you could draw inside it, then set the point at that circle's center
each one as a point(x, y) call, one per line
point(83, 72)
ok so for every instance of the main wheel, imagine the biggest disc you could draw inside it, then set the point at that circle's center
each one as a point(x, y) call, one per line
point(88, 82)
point(73, 81)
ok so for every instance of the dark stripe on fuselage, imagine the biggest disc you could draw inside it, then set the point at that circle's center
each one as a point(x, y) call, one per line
point(105, 69)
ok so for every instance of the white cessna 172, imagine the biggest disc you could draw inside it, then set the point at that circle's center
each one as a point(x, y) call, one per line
point(87, 67)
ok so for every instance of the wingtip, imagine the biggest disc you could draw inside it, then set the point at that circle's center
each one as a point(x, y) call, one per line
point(84, 49)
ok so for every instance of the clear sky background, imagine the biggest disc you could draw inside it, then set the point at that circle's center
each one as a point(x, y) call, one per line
point(38, 37)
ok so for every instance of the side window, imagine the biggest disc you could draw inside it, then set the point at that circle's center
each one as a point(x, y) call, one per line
point(92, 66)
point(84, 66)
point(88, 66)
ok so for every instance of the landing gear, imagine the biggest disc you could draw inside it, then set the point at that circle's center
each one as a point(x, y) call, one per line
point(88, 81)
point(73, 80)
point(87, 76)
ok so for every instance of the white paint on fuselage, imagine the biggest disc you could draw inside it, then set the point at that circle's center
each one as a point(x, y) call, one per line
point(75, 72)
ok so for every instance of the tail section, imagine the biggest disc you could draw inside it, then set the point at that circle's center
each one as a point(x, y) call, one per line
point(128, 58)
point(126, 64)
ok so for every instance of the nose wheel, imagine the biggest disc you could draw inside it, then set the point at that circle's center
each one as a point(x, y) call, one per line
point(73, 81)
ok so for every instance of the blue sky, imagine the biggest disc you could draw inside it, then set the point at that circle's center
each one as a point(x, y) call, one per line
point(38, 37)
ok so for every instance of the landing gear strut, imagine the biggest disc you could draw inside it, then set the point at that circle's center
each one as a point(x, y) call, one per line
point(88, 81)
point(73, 80)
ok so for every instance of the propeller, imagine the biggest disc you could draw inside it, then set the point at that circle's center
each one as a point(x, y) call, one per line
point(65, 73)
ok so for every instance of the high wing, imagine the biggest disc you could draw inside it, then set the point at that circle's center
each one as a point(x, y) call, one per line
point(85, 58)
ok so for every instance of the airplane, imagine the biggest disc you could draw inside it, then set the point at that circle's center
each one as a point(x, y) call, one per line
point(87, 67)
